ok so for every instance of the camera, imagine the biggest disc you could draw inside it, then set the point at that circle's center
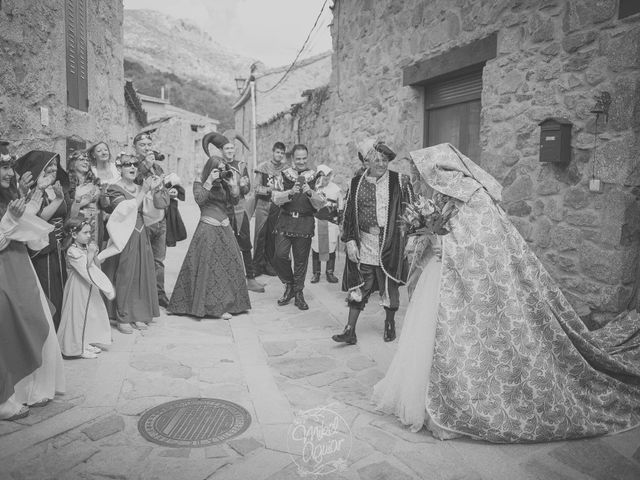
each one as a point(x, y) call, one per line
point(158, 156)
point(224, 174)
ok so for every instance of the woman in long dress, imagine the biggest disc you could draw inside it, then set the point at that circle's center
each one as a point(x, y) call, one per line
point(212, 279)
point(31, 370)
point(129, 258)
point(52, 183)
point(491, 349)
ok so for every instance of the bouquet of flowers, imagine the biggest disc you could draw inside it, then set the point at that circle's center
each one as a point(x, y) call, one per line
point(428, 215)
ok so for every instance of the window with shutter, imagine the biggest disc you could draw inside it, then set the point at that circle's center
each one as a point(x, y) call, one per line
point(452, 113)
point(76, 45)
point(628, 8)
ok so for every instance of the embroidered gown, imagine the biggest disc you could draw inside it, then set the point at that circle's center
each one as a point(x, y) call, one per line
point(212, 278)
point(491, 348)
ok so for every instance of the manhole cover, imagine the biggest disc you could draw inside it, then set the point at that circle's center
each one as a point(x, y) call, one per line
point(193, 422)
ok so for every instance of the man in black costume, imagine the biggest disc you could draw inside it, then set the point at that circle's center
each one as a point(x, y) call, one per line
point(374, 241)
point(295, 226)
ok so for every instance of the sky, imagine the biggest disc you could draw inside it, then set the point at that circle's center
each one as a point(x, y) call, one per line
point(270, 31)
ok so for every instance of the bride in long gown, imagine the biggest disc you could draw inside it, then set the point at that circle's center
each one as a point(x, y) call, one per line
point(490, 347)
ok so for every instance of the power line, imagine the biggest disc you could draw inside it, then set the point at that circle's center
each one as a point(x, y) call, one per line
point(299, 52)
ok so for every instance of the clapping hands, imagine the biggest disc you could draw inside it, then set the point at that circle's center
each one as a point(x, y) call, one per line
point(17, 207)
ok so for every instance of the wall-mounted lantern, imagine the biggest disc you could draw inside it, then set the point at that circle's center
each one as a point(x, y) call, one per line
point(555, 140)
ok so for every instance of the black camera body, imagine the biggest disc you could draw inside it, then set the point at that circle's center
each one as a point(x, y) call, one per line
point(158, 156)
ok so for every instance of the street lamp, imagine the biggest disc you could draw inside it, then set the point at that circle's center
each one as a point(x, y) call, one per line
point(240, 84)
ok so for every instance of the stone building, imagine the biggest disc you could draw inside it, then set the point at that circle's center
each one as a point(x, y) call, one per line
point(483, 75)
point(61, 83)
point(135, 112)
point(177, 134)
point(275, 90)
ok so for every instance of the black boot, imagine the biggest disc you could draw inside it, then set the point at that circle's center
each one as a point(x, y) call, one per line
point(287, 295)
point(389, 330)
point(348, 336)
point(316, 277)
point(331, 278)
point(300, 303)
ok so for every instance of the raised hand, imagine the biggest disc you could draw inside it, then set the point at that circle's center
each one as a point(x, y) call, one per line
point(57, 189)
point(26, 182)
point(17, 207)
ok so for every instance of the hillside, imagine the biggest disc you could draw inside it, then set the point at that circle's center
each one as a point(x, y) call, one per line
point(182, 92)
point(181, 48)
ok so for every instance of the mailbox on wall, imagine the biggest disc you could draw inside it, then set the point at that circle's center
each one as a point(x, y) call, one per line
point(555, 140)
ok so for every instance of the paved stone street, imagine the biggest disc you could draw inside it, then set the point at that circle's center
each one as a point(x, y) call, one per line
point(275, 362)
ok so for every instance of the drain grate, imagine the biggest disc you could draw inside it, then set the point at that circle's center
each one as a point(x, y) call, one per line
point(193, 422)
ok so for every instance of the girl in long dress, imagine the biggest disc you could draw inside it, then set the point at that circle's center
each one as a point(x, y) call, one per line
point(129, 258)
point(212, 279)
point(491, 349)
point(52, 183)
point(31, 370)
point(85, 321)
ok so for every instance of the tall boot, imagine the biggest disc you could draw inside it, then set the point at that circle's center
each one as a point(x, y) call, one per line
point(348, 336)
point(389, 326)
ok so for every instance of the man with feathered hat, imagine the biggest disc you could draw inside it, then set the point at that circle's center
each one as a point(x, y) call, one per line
point(375, 244)
point(238, 216)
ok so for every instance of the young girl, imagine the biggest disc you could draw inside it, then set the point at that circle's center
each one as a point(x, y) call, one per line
point(84, 319)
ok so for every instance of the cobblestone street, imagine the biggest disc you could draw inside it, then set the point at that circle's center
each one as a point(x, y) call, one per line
point(275, 362)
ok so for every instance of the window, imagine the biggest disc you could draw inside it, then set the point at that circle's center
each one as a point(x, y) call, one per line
point(628, 8)
point(452, 113)
point(76, 40)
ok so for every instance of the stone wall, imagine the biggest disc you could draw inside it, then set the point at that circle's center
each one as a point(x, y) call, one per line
point(33, 75)
point(552, 58)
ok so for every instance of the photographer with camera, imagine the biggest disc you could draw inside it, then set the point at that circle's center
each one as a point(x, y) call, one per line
point(238, 215)
point(154, 218)
point(298, 202)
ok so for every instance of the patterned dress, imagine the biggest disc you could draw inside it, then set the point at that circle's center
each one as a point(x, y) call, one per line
point(212, 278)
point(490, 346)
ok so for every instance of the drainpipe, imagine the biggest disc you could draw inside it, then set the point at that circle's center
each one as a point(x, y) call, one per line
point(254, 141)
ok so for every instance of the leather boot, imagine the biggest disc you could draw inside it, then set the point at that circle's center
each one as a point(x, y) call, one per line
point(348, 336)
point(287, 295)
point(316, 277)
point(389, 330)
point(254, 286)
point(331, 278)
point(300, 303)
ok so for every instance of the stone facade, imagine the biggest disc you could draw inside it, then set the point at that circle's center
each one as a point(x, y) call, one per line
point(552, 58)
point(33, 76)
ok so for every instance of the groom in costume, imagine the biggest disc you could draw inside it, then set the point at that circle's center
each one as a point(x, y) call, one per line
point(374, 242)
point(295, 226)
point(238, 217)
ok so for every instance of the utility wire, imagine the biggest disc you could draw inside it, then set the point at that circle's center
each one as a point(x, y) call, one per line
point(299, 52)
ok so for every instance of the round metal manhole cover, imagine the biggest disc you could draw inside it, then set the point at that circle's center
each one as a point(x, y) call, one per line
point(193, 422)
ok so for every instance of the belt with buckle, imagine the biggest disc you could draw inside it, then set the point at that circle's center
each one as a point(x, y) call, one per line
point(373, 230)
point(297, 214)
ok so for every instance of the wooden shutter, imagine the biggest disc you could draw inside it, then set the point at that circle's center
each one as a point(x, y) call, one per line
point(457, 90)
point(76, 41)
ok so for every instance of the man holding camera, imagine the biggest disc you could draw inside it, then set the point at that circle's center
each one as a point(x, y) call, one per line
point(298, 202)
point(154, 218)
point(267, 179)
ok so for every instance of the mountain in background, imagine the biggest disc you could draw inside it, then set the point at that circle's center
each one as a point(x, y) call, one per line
point(199, 72)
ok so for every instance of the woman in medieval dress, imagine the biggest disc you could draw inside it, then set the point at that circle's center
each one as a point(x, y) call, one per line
point(52, 182)
point(31, 370)
point(490, 348)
